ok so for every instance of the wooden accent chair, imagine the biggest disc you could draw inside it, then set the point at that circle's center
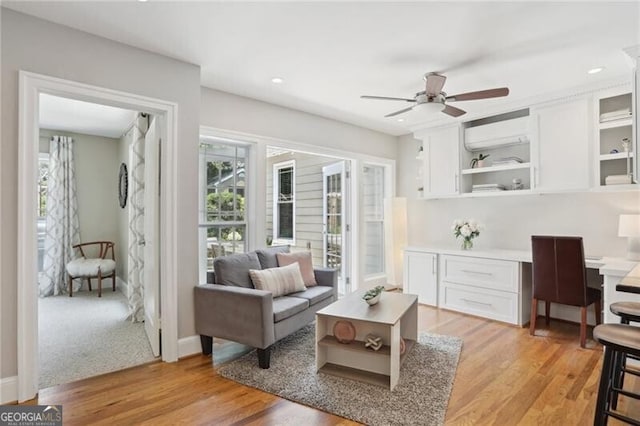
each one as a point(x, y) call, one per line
point(559, 276)
point(99, 267)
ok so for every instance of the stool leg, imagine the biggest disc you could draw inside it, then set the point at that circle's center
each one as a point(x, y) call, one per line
point(600, 418)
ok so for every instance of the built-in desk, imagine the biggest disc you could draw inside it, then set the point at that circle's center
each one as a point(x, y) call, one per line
point(496, 283)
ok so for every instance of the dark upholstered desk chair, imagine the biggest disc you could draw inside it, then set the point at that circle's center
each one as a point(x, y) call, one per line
point(559, 276)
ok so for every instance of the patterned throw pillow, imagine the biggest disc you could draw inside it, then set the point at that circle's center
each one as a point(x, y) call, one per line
point(303, 258)
point(279, 281)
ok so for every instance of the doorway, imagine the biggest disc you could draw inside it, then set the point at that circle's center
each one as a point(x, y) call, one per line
point(31, 87)
point(84, 149)
point(308, 207)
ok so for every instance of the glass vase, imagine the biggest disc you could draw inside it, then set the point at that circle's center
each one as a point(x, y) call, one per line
point(467, 244)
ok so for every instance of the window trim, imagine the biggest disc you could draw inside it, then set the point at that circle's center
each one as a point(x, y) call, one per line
point(204, 224)
point(276, 213)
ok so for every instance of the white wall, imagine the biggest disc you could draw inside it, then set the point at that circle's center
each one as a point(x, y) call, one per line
point(231, 112)
point(42, 47)
point(96, 161)
point(509, 221)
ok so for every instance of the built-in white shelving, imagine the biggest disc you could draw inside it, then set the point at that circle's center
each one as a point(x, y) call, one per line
point(500, 168)
point(615, 156)
point(615, 123)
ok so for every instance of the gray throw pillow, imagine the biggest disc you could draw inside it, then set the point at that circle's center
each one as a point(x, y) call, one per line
point(234, 269)
point(267, 256)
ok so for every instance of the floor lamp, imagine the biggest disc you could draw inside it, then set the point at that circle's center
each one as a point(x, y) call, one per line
point(395, 238)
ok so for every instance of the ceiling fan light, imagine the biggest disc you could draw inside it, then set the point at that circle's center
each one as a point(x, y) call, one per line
point(428, 107)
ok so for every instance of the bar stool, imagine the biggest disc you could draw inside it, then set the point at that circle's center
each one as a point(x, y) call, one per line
point(628, 312)
point(617, 339)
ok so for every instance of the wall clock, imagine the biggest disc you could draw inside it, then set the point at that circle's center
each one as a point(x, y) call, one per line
point(123, 185)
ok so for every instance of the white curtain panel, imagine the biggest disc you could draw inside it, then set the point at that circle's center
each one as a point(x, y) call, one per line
point(62, 226)
point(136, 220)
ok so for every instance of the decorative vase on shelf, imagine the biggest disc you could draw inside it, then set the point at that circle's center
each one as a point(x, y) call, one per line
point(467, 244)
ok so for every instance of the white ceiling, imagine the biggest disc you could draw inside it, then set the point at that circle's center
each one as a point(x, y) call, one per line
point(329, 53)
point(70, 115)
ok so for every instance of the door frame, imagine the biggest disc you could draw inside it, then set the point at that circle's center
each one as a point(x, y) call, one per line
point(339, 167)
point(30, 87)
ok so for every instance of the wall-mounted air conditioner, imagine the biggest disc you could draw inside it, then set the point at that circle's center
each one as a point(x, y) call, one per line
point(497, 134)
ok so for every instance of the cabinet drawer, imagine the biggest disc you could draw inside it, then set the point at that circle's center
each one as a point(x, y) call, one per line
point(478, 272)
point(497, 305)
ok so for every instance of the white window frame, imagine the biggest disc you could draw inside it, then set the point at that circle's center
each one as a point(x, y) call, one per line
point(381, 221)
point(276, 213)
point(202, 195)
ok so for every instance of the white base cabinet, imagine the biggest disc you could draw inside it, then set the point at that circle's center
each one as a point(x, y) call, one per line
point(421, 276)
point(489, 288)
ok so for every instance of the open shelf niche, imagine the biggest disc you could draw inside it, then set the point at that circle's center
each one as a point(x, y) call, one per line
point(614, 124)
point(495, 169)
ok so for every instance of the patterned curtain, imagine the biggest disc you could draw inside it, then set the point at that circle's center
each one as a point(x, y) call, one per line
point(136, 220)
point(62, 229)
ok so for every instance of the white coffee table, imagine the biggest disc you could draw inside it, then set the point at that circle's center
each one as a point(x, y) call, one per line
point(394, 316)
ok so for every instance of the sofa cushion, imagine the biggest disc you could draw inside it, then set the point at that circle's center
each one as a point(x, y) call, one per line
point(234, 269)
point(267, 256)
point(303, 258)
point(314, 294)
point(285, 307)
point(279, 281)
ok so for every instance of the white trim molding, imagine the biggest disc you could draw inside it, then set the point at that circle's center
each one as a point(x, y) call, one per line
point(8, 390)
point(30, 87)
point(188, 346)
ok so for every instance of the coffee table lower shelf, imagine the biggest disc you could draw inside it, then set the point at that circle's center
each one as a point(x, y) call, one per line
point(355, 374)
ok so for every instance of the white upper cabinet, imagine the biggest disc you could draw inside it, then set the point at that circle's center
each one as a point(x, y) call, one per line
point(441, 152)
point(564, 139)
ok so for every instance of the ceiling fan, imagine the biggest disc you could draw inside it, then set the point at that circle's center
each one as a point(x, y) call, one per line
point(434, 97)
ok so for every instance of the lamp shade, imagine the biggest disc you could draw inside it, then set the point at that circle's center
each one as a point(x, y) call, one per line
point(629, 225)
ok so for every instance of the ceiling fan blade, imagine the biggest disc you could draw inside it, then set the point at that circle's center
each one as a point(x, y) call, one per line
point(481, 94)
point(453, 111)
point(435, 83)
point(386, 98)
point(399, 112)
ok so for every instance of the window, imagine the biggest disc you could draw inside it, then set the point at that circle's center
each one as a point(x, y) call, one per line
point(223, 219)
point(284, 201)
point(373, 208)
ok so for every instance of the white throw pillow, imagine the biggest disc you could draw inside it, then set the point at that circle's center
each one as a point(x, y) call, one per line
point(279, 281)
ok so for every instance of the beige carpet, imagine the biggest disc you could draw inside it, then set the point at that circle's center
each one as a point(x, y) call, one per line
point(84, 336)
point(420, 398)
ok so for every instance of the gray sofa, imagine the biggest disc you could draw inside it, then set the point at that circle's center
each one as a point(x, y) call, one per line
point(231, 308)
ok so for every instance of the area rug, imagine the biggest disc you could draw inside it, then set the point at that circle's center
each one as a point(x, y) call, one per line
point(421, 397)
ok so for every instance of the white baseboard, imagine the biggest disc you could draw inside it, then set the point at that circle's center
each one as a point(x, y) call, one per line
point(189, 346)
point(8, 390)
point(123, 286)
point(568, 313)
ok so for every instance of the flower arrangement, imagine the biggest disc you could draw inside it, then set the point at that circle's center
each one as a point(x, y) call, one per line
point(468, 229)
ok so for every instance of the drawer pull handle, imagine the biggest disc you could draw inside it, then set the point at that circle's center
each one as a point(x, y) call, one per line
point(477, 272)
point(476, 302)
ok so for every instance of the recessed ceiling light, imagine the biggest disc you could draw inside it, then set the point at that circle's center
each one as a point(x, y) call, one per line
point(595, 70)
point(277, 80)
point(400, 119)
point(143, 1)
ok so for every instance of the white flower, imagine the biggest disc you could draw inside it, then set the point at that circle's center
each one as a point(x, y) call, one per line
point(465, 231)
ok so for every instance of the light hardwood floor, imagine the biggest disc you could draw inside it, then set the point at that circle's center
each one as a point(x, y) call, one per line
point(505, 377)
